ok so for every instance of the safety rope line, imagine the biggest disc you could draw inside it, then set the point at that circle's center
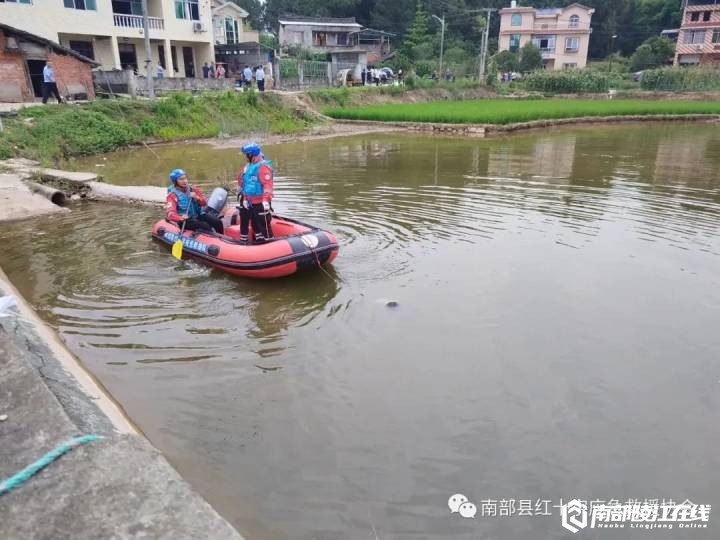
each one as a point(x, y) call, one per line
point(24, 475)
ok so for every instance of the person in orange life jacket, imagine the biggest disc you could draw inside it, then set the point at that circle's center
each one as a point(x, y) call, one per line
point(184, 204)
point(255, 187)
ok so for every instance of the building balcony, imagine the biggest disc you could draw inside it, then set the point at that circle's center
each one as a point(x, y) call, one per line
point(544, 27)
point(136, 21)
point(548, 52)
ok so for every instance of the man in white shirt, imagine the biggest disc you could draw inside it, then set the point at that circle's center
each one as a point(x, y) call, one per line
point(260, 78)
point(49, 84)
point(247, 76)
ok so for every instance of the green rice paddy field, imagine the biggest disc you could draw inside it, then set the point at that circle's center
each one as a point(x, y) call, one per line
point(510, 111)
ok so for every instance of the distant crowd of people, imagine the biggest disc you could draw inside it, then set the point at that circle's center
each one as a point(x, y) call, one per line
point(246, 76)
point(213, 71)
point(377, 76)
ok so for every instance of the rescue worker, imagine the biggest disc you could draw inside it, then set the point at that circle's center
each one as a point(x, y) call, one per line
point(255, 189)
point(184, 204)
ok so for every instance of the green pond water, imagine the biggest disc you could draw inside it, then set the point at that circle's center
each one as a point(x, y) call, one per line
point(555, 335)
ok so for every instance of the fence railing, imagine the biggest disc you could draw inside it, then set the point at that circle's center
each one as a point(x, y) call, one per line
point(136, 21)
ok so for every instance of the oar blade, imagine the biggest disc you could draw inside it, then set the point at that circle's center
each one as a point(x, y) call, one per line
point(177, 250)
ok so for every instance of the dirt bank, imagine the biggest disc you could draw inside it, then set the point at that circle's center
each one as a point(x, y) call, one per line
point(323, 131)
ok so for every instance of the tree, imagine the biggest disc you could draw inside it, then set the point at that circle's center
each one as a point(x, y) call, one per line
point(255, 10)
point(392, 15)
point(530, 58)
point(417, 39)
point(506, 62)
point(656, 51)
point(269, 40)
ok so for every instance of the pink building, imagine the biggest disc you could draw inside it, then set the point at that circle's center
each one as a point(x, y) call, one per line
point(699, 40)
point(561, 34)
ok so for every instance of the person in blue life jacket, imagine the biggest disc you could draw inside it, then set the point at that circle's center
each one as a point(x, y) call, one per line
point(185, 203)
point(255, 189)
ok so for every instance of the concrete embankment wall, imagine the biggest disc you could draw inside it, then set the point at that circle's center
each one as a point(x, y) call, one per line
point(117, 487)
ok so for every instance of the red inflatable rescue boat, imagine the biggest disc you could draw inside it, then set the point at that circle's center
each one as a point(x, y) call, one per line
point(295, 247)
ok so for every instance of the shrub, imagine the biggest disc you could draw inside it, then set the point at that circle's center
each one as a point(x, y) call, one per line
point(54, 133)
point(339, 97)
point(655, 51)
point(530, 58)
point(568, 81)
point(681, 79)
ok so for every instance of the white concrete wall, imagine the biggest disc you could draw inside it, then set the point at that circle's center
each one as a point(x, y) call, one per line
point(50, 19)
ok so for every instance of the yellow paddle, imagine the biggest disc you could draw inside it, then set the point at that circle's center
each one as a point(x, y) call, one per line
point(177, 247)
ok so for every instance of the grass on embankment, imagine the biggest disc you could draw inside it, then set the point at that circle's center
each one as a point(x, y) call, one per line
point(419, 91)
point(51, 133)
point(506, 111)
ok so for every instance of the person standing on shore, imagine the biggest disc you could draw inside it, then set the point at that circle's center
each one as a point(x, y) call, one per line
point(220, 72)
point(247, 76)
point(206, 70)
point(260, 78)
point(255, 187)
point(49, 84)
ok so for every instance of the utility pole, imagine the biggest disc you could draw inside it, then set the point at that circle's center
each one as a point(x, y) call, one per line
point(442, 43)
point(485, 42)
point(612, 51)
point(148, 55)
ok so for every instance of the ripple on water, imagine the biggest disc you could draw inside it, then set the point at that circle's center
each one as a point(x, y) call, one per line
point(442, 348)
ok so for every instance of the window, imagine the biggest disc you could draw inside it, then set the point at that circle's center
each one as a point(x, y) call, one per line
point(716, 36)
point(695, 16)
point(81, 4)
point(231, 31)
point(161, 56)
point(319, 39)
point(572, 44)
point(186, 9)
point(342, 39)
point(516, 20)
point(546, 44)
point(16, 1)
point(694, 37)
point(127, 7)
point(706, 16)
point(574, 21)
point(128, 56)
point(83, 47)
point(515, 43)
point(570, 65)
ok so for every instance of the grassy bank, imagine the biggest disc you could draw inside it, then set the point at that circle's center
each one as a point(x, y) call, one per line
point(414, 90)
point(51, 133)
point(505, 111)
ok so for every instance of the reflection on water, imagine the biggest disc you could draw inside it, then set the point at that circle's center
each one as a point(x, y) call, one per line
point(555, 335)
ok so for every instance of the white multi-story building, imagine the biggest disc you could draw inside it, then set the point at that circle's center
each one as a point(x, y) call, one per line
point(111, 31)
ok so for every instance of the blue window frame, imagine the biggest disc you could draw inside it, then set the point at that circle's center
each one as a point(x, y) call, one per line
point(81, 4)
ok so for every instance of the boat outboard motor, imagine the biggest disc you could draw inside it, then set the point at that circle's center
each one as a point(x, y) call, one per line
point(216, 202)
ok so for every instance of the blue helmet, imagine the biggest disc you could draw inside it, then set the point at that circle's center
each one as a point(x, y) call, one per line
point(176, 174)
point(251, 149)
